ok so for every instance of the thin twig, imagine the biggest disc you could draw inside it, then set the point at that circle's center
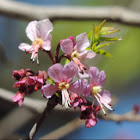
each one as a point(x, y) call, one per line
point(29, 12)
point(63, 56)
point(57, 52)
point(51, 56)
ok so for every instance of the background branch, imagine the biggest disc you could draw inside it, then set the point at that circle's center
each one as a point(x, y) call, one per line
point(31, 12)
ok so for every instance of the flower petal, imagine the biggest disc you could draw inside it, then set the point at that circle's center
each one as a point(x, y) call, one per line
point(102, 78)
point(49, 90)
point(94, 76)
point(78, 86)
point(47, 44)
point(87, 91)
point(67, 46)
point(90, 122)
point(87, 54)
point(25, 47)
point(18, 98)
point(82, 42)
point(106, 96)
point(44, 27)
point(31, 30)
point(69, 71)
point(55, 72)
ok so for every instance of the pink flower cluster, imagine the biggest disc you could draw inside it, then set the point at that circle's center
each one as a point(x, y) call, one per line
point(72, 94)
point(28, 82)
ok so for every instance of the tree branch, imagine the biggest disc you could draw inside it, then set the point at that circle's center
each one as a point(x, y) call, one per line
point(129, 116)
point(29, 12)
point(52, 102)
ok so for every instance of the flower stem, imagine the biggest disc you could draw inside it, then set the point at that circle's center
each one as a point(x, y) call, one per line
point(57, 52)
point(63, 56)
point(51, 56)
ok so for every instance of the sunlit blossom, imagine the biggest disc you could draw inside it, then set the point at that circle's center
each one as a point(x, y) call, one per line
point(39, 33)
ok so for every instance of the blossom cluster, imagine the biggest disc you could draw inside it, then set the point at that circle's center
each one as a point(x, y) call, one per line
point(58, 80)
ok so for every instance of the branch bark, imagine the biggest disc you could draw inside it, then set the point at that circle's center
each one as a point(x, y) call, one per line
point(29, 12)
point(52, 102)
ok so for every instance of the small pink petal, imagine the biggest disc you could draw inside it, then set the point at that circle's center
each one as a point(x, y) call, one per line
point(25, 47)
point(94, 76)
point(44, 27)
point(67, 46)
point(102, 78)
point(69, 71)
point(106, 96)
point(73, 40)
point(18, 98)
point(87, 54)
point(82, 42)
point(78, 86)
point(55, 72)
point(83, 107)
point(90, 122)
point(47, 44)
point(87, 91)
point(31, 30)
point(49, 90)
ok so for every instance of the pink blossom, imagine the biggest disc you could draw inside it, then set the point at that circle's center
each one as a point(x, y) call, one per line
point(17, 74)
point(97, 80)
point(39, 33)
point(18, 98)
point(77, 51)
point(89, 114)
point(76, 100)
point(63, 76)
point(28, 83)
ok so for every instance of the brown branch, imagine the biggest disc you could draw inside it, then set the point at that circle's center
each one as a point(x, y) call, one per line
point(31, 12)
point(51, 56)
point(57, 52)
point(129, 116)
point(63, 56)
point(52, 102)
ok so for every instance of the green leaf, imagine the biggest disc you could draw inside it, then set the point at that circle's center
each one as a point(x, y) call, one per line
point(50, 80)
point(67, 61)
point(91, 37)
point(94, 46)
point(101, 46)
point(108, 30)
point(103, 52)
point(109, 39)
point(98, 29)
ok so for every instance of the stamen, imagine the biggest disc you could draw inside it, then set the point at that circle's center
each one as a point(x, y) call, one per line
point(105, 103)
point(80, 66)
point(65, 98)
point(84, 68)
point(100, 105)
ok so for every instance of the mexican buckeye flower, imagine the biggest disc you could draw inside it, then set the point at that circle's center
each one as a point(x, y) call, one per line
point(77, 51)
point(39, 33)
point(89, 113)
point(63, 76)
point(28, 82)
point(97, 80)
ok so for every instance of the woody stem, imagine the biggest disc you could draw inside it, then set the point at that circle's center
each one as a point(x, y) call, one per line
point(51, 56)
